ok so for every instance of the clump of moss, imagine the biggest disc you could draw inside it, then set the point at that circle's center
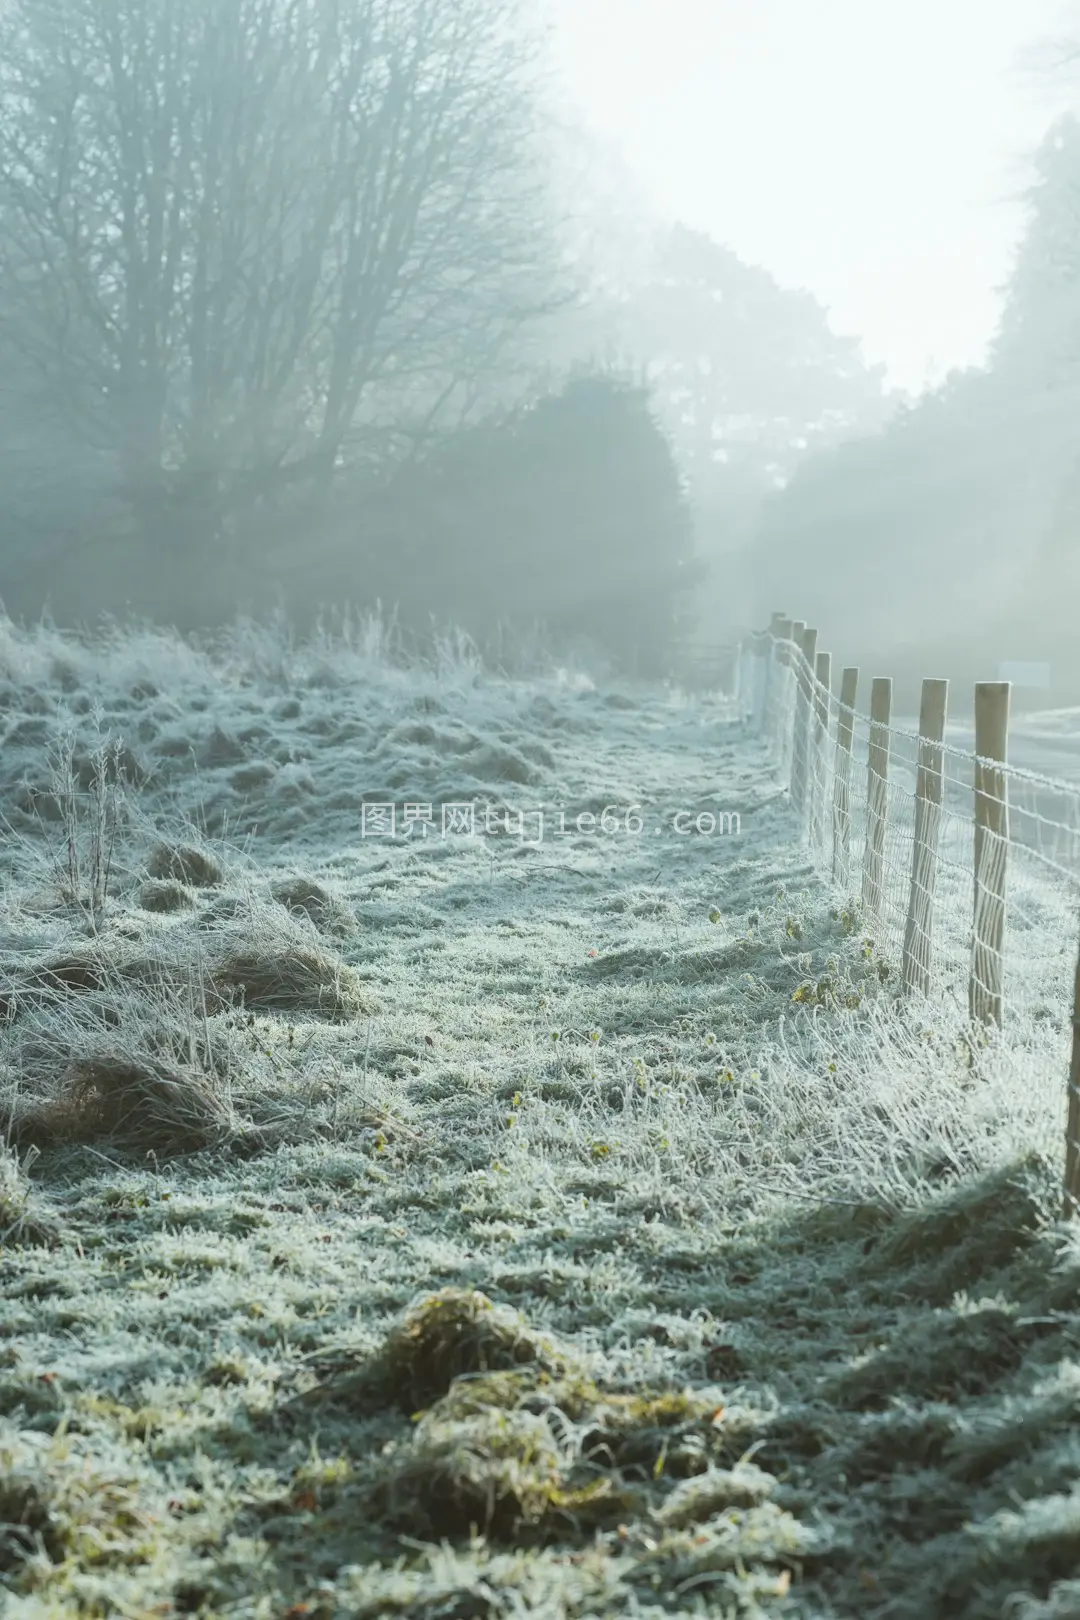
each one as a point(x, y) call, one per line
point(184, 863)
point(529, 1387)
point(675, 1433)
point(497, 1473)
point(455, 1332)
point(442, 1337)
point(715, 1491)
point(748, 1551)
point(501, 1453)
point(514, 1438)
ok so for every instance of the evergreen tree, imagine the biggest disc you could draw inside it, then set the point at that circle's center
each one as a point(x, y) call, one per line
point(570, 512)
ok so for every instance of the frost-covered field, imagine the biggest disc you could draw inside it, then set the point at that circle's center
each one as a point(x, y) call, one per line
point(459, 1225)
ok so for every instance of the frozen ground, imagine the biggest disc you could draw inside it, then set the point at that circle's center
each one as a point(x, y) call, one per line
point(459, 1226)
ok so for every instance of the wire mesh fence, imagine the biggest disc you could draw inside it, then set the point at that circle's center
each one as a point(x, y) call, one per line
point(963, 868)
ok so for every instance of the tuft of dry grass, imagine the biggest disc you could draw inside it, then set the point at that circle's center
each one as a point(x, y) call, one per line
point(304, 897)
point(187, 864)
point(26, 1522)
point(267, 966)
point(150, 1043)
point(23, 1223)
point(104, 966)
point(291, 977)
point(966, 1234)
point(142, 1104)
point(165, 895)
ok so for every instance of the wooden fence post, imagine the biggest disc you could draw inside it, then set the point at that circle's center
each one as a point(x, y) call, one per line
point(985, 990)
point(783, 634)
point(1071, 1203)
point(918, 930)
point(766, 673)
point(877, 794)
point(778, 661)
point(845, 729)
point(819, 761)
point(798, 630)
point(800, 758)
point(753, 704)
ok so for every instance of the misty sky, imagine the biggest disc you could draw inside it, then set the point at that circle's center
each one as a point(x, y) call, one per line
point(870, 150)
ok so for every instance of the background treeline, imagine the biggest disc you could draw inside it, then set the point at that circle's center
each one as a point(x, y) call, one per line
point(311, 303)
point(950, 541)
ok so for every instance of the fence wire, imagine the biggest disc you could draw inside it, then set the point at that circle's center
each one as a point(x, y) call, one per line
point(964, 870)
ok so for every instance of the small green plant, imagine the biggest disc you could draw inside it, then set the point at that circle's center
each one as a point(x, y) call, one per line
point(317, 1481)
point(847, 916)
point(827, 991)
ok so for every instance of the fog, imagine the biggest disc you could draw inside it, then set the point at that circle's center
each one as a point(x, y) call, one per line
point(631, 332)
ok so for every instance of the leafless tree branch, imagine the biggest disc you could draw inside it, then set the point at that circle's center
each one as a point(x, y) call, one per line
point(231, 231)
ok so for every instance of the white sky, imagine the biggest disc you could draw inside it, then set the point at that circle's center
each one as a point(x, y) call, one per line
point(869, 150)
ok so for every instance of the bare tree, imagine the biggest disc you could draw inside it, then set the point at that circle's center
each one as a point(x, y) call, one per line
point(241, 239)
